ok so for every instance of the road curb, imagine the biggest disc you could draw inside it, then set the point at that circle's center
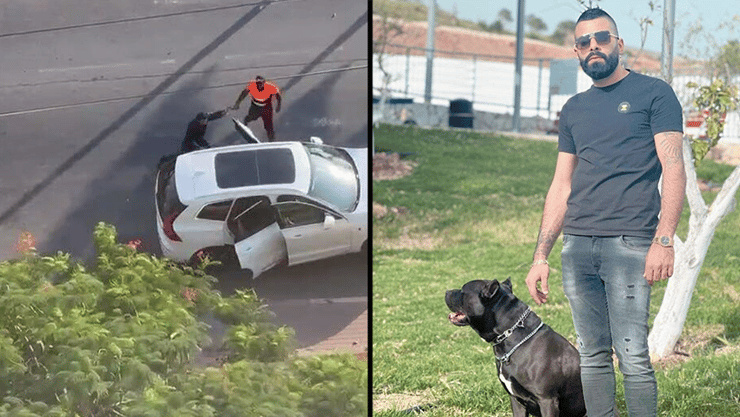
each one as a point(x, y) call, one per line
point(353, 338)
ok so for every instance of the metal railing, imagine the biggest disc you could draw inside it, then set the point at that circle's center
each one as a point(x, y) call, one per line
point(488, 82)
point(485, 80)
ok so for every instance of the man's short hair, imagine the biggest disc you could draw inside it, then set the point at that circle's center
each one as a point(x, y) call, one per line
point(259, 78)
point(595, 13)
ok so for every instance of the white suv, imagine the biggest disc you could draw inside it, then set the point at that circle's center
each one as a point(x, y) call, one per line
point(263, 204)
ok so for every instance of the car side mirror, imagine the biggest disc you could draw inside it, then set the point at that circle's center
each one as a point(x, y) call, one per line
point(329, 221)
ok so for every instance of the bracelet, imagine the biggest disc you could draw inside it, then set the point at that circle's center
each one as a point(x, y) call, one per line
point(540, 262)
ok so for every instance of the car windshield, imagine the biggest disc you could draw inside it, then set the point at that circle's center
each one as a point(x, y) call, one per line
point(334, 177)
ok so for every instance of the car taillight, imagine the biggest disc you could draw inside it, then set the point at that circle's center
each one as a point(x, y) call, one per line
point(169, 229)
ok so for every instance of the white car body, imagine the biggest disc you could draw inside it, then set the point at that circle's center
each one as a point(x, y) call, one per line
point(268, 203)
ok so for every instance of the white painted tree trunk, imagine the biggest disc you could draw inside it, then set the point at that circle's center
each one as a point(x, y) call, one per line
point(690, 256)
point(389, 28)
point(385, 82)
point(384, 95)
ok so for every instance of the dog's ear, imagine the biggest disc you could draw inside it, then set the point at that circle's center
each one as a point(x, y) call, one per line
point(490, 289)
point(507, 284)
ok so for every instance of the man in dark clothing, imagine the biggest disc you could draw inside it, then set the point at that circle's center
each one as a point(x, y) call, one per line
point(194, 137)
point(615, 141)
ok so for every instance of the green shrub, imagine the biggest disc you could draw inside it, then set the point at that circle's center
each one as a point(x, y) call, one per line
point(120, 339)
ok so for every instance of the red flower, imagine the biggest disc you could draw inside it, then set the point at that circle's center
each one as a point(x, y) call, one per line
point(134, 244)
point(26, 242)
point(190, 294)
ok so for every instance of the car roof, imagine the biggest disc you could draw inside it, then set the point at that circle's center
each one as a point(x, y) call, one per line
point(234, 170)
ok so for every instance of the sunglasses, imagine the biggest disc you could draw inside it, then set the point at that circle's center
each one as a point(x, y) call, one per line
point(603, 37)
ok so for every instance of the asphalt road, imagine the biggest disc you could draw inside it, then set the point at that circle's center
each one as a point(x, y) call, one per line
point(93, 94)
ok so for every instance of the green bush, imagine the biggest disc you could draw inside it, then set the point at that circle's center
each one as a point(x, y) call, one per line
point(332, 386)
point(121, 339)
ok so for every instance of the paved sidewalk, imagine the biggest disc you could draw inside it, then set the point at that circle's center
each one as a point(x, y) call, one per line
point(352, 338)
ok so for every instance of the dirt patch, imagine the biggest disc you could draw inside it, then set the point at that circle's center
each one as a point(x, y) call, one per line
point(380, 211)
point(728, 350)
point(726, 154)
point(383, 402)
point(422, 242)
point(693, 339)
point(705, 185)
point(389, 166)
point(733, 294)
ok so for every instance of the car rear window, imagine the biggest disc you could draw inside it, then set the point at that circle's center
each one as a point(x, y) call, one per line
point(168, 202)
point(255, 167)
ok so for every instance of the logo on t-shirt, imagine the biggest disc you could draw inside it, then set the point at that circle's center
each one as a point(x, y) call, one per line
point(624, 107)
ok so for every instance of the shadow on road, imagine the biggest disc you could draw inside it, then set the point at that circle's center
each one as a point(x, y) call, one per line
point(133, 111)
point(124, 197)
point(360, 22)
point(304, 117)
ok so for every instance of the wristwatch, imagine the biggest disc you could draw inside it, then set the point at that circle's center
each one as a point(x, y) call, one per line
point(664, 241)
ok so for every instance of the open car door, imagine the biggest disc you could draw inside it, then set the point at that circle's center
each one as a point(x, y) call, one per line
point(312, 232)
point(258, 242)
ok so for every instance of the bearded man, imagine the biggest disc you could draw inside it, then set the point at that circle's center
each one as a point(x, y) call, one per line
point(614, 142)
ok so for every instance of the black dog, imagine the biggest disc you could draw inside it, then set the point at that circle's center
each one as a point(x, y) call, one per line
point(538, 368)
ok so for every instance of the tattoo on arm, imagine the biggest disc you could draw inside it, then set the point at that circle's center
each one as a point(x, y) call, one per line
point(674, 180)
point(671, 145)
point(545, 242)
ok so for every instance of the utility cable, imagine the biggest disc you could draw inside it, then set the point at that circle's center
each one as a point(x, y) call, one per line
point(117, 99)
point(138, 19)
point(160, 75)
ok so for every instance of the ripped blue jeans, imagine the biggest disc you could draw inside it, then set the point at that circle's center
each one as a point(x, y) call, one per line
point(610, 303)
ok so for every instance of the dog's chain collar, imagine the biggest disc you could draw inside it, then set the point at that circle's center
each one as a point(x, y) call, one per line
point(507, 333)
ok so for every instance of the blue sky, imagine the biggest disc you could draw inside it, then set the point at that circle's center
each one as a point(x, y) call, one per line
point(626, 13)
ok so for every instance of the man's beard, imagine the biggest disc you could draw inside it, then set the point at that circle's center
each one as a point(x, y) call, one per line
point(599, 70)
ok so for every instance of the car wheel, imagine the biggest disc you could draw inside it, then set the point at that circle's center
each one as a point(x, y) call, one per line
point(223, 254)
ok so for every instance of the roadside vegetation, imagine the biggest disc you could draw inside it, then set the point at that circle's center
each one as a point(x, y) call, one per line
point(123, 338)
point(470, 209)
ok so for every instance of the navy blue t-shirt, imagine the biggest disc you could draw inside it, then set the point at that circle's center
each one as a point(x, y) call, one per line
point(611, 130)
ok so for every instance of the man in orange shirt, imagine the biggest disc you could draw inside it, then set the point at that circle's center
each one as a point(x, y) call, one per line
point(262, 93)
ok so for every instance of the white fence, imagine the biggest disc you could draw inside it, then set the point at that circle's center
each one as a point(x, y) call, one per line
point(489, 85)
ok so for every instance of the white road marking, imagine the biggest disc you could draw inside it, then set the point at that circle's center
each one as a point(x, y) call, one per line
point(102, 66)
point(309, 301)
point(325, 121)
point(86, 67)
point(278, 53)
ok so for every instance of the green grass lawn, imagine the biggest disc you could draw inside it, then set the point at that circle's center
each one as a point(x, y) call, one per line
point(471, 210)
